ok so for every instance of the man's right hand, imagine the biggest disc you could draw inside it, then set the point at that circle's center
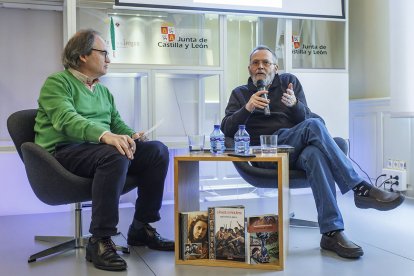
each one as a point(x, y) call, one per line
point(123, 143)
point(256, 101)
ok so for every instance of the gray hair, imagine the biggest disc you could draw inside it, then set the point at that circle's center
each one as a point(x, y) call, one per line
point(263, 47)
point(80, 44)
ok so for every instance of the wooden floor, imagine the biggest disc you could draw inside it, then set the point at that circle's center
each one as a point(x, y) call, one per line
point(386, 237)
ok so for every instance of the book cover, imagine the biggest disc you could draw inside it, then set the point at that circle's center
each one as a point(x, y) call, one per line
point(227, 233)
point(193, 233)
point(262, 239)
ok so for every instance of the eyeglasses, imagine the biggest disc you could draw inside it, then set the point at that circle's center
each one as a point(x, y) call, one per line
point(104, 52)
point(256, 63)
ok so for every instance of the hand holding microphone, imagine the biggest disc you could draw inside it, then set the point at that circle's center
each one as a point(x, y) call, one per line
point(258, 99)
point(262, 87)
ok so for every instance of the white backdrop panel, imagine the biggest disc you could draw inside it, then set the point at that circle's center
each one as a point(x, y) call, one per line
point(328, 95)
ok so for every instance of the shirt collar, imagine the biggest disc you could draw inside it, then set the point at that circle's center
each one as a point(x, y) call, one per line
point(87, 81)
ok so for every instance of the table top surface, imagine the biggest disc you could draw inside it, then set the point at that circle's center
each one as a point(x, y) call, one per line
point(207, 156)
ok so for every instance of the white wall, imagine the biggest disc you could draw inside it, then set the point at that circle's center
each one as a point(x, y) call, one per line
point(369, 46)
point(31, 43)
point(376, 137)
point(327, 95)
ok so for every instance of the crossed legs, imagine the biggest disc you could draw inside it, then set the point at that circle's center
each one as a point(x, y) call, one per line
point(325, 164)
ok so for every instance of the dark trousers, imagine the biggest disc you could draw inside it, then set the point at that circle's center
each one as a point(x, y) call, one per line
point(109, 169)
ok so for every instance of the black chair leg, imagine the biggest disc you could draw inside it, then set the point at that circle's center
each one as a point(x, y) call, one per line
point(68, 243)
point(123, 249)
point(65, 246)
point(295, 222)
point(71, 244)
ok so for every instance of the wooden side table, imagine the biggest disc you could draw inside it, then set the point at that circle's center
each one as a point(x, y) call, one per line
point(187, 198)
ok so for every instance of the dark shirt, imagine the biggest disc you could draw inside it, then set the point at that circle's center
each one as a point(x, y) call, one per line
point(256, 122)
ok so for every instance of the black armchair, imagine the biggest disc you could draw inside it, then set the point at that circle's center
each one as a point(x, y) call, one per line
point(265, 178)
point(51, 182)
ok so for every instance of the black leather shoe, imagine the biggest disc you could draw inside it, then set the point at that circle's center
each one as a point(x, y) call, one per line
point(148, 236)
point(379, 199)
point(340, 244)
point(102, 253)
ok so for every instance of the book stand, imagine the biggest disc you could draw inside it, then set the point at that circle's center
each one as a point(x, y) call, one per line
point(187, 198)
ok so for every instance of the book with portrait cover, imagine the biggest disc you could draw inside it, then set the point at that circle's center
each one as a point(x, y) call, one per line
point(227, 233)
point(262, 239)
point(193, 235)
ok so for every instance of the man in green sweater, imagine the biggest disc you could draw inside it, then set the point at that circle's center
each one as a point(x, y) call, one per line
point(78, 123)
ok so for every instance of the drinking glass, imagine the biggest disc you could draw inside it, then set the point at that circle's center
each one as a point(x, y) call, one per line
point(196, 143)
point(268, 144)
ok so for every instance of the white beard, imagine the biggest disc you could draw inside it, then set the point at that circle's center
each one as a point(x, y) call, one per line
point(267, 81)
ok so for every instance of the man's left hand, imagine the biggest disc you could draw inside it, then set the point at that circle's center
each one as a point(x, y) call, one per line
point(123, 143)
point(289, 98)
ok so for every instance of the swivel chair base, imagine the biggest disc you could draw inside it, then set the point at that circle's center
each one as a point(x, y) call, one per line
point(302, 223)
point(68, 243)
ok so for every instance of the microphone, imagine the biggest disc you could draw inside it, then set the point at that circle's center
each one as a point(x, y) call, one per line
point(260, 87)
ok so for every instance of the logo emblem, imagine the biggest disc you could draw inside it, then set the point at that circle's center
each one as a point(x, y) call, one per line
point(296, 41)
point(168, 32)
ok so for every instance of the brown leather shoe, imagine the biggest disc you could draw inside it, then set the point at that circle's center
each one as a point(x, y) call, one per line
point(379, 199)
point(102, 253)
point(340, 244)
point(148, 236)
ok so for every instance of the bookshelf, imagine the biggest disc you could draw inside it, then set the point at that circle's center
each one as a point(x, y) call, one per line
point(187, 198)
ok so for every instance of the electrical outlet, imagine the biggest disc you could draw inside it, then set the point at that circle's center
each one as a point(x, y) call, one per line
point(402, 178)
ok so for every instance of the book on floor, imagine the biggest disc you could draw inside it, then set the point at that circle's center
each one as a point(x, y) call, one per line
point(193, 235)
point(227, 233)
point(262, 239)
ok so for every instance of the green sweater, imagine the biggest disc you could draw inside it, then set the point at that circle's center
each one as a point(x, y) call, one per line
point(70, 112)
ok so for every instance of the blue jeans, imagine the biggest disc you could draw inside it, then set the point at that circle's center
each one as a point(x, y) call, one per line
point(324, 163)
point(109, 169)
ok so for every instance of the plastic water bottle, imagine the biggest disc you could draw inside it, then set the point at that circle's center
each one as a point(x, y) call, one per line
point(241, 141)
point(217, 141)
